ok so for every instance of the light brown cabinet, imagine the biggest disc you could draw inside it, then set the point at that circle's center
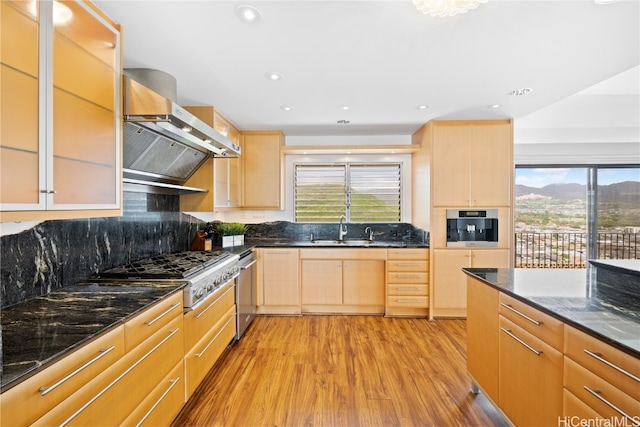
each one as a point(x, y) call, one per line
point(220, 176)
point(449, 282)
point(472, 163)
point(343, 280)
point(155, 353)
point(407, 282)
point(278, 281)
point(262, 170)
point(61, 132)
point(599, 379)
point(482, 337)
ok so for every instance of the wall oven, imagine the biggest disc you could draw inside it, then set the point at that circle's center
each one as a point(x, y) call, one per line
point(472, 228)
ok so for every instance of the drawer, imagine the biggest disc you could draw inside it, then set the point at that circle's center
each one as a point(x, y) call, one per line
point(198, 322)
point(407, 265)
point(407, 301)
point(615, 366)
point(598, 394)
point(543, 326)
point(407, 277)
point(344, 253)
point(408, 253)
point(163, 404)
point(152, 320)
point(203, 356)
point(400, 290)
point(25, 403)
point(574, 407)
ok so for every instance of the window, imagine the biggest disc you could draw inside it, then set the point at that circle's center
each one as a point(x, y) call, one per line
point(567, 215)
point(362, 192)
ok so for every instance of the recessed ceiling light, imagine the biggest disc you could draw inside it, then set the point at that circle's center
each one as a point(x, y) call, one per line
point(344, 107)
point(343, 122)
point(272, 75)
point(495, 106)
point(285, 108)
point(605, 1)
point(521, 91)
point(422, 107)
point(248, 14)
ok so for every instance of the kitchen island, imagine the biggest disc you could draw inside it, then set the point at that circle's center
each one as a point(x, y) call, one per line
point(554, 345)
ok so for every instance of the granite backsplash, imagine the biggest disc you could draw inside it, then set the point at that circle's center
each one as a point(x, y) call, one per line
point(55, 254)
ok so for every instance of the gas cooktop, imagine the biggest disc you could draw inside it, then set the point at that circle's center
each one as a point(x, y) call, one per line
point(176, 265)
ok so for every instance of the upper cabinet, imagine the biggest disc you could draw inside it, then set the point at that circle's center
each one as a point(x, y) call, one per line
point(60, 112)
point(219, 175)
point(262, 170)
point(472, 163)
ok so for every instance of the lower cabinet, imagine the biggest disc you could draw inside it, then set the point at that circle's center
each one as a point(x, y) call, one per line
point(599, 381)
point(407, 282)
point(209, 328)
point(278, 281)
point(542, 372)
point(128, 385)
point(343, 281)
point(449, 282)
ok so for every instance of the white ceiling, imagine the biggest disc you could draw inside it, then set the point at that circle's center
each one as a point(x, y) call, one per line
point(384, 59)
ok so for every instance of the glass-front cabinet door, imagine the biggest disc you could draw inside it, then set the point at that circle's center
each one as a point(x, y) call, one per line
point(61, 118)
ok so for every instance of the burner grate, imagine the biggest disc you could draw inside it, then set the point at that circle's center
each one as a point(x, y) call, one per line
point(177, 265)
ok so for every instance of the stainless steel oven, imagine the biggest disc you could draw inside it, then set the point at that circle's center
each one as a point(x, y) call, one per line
point(246, 292)
point(472, 228)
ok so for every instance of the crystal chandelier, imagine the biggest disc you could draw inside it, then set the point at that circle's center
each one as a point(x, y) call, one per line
point(446, 7)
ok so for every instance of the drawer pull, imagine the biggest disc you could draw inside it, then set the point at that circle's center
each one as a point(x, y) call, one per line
point(44, 390)
point(599, 357)
point(409, 289)
point(408, 264)
point(197, 316)
point(508, 332)
point(597, 394)
point(151, 322)
point(199, 355)
point(535, 322)
point(407, 276)
point(171, 385)
point(407, 301)
point(172, 332)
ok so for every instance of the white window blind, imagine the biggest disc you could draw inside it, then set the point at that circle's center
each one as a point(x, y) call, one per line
point(362, 192)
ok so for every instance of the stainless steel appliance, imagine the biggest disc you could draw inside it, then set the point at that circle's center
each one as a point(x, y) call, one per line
point(202, 271)
point(246, 293)
point(472, 228)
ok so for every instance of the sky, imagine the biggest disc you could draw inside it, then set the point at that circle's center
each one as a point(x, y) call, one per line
point(539, 177)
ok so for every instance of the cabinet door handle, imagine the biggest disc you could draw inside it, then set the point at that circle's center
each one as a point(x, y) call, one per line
point(599, 357)
point(172, 383)
point(508, 332)
point(44, 390)
point(151, 322)
point(172, 332)
point(535, 322)
point(199, 355)
point(598, 395)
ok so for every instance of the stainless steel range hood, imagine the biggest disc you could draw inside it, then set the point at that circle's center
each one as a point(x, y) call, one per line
point(163, 143)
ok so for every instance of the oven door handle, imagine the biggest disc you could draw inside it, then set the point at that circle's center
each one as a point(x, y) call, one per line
point(246, 266)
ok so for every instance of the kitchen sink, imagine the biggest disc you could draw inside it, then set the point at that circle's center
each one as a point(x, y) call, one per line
point(345, 242)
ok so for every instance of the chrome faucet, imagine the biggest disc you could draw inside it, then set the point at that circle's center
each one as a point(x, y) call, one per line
point(370, 232)
point(342, 231)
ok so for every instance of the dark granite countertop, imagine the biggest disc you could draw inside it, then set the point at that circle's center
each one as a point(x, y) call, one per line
point(278, 243)
point(599, 300)
point(38, 332)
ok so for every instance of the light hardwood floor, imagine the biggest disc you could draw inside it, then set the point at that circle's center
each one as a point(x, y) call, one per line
point(342, 371)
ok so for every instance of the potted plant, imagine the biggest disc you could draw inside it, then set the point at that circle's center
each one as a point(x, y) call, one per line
point(232, 233)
